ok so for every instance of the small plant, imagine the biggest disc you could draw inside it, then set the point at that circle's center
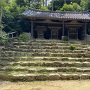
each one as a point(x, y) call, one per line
point(23, 37)
point(64, 38)
point(3, 38)
point(72, 47)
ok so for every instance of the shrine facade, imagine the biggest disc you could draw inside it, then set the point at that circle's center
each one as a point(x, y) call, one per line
point(54, 25)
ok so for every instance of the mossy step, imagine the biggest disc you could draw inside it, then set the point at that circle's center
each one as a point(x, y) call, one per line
point(14, 51)
point(16, 58)
point(58, 59)
point(42, 69)
point(50, 41)
point(11, 59)
point(42, 77)
point(45, 51)
point(44, 54)
point(76, 55)
point(22, 44)
point(44, 47)
point(52, 64)
point(42, 62)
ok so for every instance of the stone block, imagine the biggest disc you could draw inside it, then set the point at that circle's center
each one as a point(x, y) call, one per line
point(69, 77)
point(75, 76)
point(41, 77)
point(27, 77)
point(54, 77)
point(84, 76)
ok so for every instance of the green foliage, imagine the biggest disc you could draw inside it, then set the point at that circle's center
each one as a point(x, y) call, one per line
point(67, 7)
point(3, 38)
point(36, 5)
point(11, 17)
point(71, 7)
point(1, 27)
point(23, 37)
point(72, 47)
point(64, 38)
point(85, 4)
point(44, 8)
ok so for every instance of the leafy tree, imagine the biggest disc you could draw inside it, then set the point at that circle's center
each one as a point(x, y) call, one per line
point(71, 7)
point(1, 12)
point(85, 4)
point(67, 7)
point(57, 4)
point(44, 8)
point(11, 17)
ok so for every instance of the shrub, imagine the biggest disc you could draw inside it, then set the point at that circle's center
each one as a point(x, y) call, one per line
point(72, 47)
point(3, 38)
point(23, 37)
point(64, 38)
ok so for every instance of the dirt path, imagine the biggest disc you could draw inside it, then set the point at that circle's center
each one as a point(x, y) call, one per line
point(46, 85)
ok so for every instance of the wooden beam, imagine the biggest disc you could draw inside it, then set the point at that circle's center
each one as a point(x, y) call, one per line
point(47, 22)
point(85, 31)
point(32, 29)
point(63, 28)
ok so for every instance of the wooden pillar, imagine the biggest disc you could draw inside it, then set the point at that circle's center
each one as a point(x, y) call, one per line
point(85, 31)
point(12, 35)
point(77, 34)
point(32, 29)
point(63, 29)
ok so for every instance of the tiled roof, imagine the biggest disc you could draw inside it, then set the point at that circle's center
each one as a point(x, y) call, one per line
point(59, 15)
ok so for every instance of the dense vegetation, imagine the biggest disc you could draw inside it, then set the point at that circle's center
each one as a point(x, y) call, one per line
point(10, 10)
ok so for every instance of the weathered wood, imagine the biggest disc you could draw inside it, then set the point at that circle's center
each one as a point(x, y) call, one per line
point(63, 29)
point(85, 31)
point(32, 29)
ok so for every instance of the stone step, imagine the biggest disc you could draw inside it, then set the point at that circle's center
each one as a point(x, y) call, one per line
point(43, 61)
point(76, 55)
point(59, 59)
point(44, 70)
point(50, 41)
point(43, 77)
point(44, 47)
point(47, 64)
point(69, 59)
point(29, 62)
point(56, 50)
point(44, 54)
point(47, 46)
point(45, 50)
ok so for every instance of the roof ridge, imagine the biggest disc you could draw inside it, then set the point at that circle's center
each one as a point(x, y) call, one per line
point(59, 15)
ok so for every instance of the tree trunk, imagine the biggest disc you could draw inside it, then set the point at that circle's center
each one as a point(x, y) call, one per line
point(46, 3)
point(0, 18)
point(43, 2)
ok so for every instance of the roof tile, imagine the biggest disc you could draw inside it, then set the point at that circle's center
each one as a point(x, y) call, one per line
point(59, 15)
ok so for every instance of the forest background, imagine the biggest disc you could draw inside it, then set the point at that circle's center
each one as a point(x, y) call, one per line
point(10, 10)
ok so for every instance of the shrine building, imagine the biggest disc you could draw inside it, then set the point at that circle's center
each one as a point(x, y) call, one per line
point(54, 25)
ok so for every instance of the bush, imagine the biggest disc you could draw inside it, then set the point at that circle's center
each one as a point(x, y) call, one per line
point(3, 38)
point(23, 37)
point(72, 47)
point(64, 38)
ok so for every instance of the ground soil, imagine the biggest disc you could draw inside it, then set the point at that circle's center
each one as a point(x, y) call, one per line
point(46, 85)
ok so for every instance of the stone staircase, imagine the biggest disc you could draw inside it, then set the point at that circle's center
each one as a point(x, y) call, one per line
point(45, 60)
